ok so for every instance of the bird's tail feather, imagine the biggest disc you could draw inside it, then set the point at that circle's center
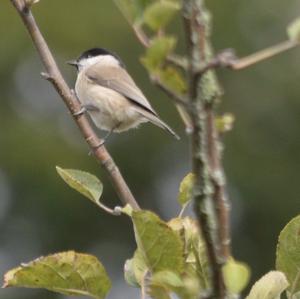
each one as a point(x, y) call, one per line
point(158, 122)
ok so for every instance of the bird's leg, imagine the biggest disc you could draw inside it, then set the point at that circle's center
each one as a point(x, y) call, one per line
point(85, 108)
point(80, 112)
point(105, 138)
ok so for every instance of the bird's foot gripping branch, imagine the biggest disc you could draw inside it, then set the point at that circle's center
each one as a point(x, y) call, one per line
point(186, 256)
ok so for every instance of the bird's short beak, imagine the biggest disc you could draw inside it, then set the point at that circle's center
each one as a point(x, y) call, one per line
point(72, 62)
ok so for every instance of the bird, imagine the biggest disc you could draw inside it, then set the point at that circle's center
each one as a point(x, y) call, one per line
point(110, 96)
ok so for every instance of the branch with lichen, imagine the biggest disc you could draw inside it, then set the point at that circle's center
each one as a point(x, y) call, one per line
point(197, 109)
point(197, 103)
point(210, 202)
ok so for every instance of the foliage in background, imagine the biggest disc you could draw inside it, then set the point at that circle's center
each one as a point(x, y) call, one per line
point(185, 262)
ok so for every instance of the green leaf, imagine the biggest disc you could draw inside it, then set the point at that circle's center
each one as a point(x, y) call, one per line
point(158, 292)
point(83, 182)
point(288, 253)
point(270, 286)
point(160, 246)
point(167, 278)
point(186, 189)
point(127, 210)
point(133, 10)
point(224, 123)
point(139, 266)
point(159, 14)
point(68, 273)
point(157, 52)
point(172, 78)
point(196, 261)
point(236, 276)
point(163, 283)
point(196, 273)
point(293, 296)
point(135, 269)
point(197, 252)
point(187, 229)
point(293, 31)
point(129, 274)
point(192, 285)
point(186, 286)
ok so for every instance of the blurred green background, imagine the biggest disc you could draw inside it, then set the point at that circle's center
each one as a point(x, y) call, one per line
point(39, 214)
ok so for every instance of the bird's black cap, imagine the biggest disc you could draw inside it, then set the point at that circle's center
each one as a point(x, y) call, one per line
point(93, 53)
point(99, 51)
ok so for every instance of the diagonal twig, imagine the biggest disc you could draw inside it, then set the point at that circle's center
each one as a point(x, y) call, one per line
point(181, 63)
point(178, 98)
point(54, 75)
point(227, 58)
point(262, 55)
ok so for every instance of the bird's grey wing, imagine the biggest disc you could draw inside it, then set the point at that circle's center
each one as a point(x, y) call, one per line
point(117, 79)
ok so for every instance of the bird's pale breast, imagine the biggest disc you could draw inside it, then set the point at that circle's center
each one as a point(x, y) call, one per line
point(112, 110)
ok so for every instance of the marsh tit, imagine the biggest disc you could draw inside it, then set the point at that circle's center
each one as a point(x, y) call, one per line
point(109, 94)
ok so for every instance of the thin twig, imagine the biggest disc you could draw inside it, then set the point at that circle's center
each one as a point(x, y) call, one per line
point(259, 56)
point(178, 61)
point(183, 209)
point(181, 103)
point(226, 58)
point(54, 75)
point(142, 37)
point(117, 211)
point(176, 97)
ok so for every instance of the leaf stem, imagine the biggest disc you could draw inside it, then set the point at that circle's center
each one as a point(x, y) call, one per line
point(117, 211)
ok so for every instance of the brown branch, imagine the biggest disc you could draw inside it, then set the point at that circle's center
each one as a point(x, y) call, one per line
point(54, 75)
point(205, 140)
point(228, 58)
point(217, 178)
point(210, 202)
point(262, 55)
